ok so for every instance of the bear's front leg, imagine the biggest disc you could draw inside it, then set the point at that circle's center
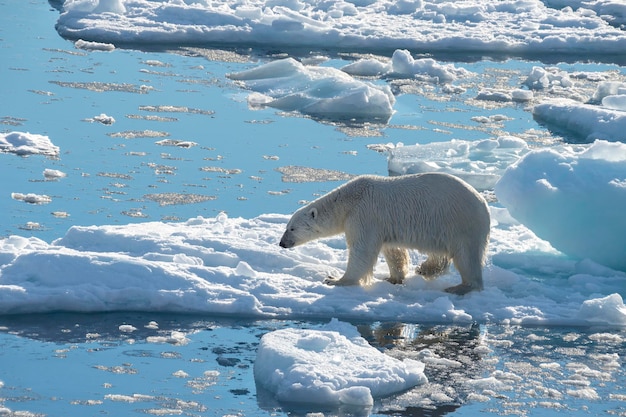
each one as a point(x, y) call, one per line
point(362, 257)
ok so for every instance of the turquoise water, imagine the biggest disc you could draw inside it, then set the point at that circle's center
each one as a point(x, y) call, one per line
point(68, 364)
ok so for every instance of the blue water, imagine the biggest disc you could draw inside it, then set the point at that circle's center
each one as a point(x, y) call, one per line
point(65, 364)
point(85, 365)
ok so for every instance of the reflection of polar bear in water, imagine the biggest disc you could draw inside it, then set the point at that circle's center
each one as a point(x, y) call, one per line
point(437, 214)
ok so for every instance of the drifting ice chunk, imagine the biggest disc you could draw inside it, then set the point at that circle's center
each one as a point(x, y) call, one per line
point(610, 309)
point(24, 144)
point(321, 92)
point(543, 78)
point(608, 88)
point(402, 63)
point(615, 102)
point(330, 367)
point(582, 121)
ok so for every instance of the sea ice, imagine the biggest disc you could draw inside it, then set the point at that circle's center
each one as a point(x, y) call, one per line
point(234, 266)
point(31, 198)
point(480, 163)
point(331, 367)
point(504, 27)
point(402, 64)
point(322, 92)
point(543, 78)
point(24, 144)
point(586, 122)
point(573, 198)
point(94, 46)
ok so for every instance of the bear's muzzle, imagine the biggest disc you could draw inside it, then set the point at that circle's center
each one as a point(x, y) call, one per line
point(286, 241)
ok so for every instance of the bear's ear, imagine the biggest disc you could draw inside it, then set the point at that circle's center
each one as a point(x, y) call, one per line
point(313, 213)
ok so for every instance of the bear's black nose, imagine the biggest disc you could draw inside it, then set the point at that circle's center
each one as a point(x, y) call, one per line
point(286, 242)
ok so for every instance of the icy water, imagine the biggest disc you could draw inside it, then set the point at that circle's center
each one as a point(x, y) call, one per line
point(243, 162)
point(132, 364)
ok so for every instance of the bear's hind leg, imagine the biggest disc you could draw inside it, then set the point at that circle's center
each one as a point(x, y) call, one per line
point(433, 266)
point(398, 263)
point(469, 263)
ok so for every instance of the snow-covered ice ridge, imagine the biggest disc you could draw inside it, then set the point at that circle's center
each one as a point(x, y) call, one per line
point(512, 27)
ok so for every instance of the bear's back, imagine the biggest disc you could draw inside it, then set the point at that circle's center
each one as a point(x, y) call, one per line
point(435, 203)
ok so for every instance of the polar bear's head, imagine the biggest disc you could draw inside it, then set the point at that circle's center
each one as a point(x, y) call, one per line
point(303, 227)
point(319, 219)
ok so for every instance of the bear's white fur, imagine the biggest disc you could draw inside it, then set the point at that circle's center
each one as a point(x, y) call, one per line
point(437, 214)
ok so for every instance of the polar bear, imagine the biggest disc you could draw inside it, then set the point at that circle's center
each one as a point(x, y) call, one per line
point(437, 214)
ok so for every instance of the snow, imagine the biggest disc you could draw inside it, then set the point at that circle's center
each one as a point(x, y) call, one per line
point(573, 198)
point(234, 266)
point(505, 27)
point(332, 366)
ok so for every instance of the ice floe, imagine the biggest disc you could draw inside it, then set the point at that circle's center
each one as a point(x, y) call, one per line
point(25, 143)
point(234, 266)
point(510, 27)
point(332, 366)
point(323, 92)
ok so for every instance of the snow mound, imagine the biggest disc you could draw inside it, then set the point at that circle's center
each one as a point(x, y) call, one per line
point(573, 198)
point(330, 367)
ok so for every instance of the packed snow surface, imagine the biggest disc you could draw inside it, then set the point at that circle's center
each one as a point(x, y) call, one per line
point(234, 266)
point(332, 366)
point(527, 27)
